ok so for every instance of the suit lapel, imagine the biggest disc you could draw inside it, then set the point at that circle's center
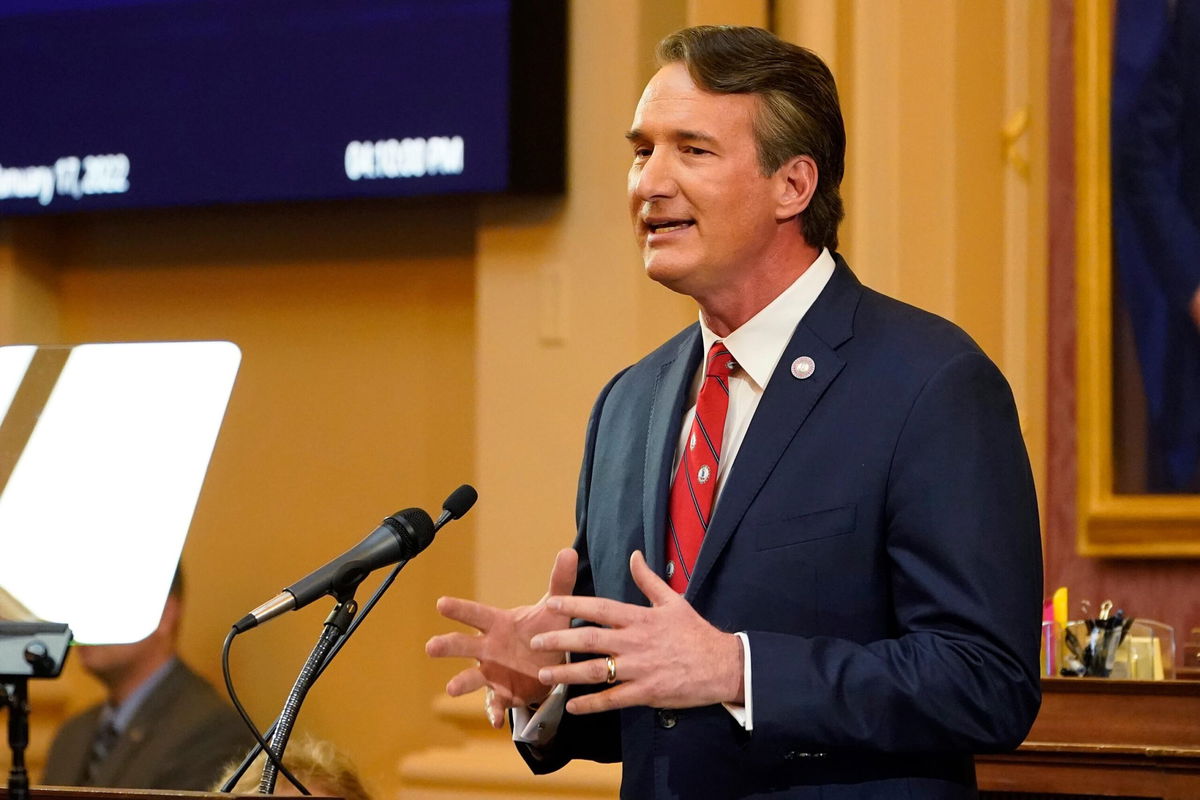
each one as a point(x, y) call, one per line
point(70, 768)
point(114, 768)
point(666, 412)
point(121, 766)
point(782, 411)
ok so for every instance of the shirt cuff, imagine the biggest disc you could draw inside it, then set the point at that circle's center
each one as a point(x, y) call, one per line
point(744, 714)
point(538, 727)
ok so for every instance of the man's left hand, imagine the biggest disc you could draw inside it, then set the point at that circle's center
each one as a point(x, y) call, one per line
point(666, 656)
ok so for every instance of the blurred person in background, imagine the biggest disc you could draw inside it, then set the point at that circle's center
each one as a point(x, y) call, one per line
point(161, 725)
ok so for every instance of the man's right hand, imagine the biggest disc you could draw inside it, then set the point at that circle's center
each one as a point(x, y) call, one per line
point(505, 663)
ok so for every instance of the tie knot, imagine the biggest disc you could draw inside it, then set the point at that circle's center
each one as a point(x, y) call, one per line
point(720, 361)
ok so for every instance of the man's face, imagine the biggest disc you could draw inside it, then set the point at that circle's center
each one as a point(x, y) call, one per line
point(704, 215)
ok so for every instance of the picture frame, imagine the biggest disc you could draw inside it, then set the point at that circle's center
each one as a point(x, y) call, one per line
point(1110, 524)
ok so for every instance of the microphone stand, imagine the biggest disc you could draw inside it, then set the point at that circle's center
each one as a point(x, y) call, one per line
point(457, 504)
point(258, 748)
point(336, 625)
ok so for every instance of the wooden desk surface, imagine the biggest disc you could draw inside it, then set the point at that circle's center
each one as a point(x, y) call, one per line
point(1102, 737)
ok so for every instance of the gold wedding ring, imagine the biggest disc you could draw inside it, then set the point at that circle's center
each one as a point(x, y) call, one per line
point(612, 669)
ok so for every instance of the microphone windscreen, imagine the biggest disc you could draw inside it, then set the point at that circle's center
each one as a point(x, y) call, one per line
point(460, 500)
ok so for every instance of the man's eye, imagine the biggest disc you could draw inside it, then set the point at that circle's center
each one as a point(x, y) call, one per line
point(641, 152)
point(695, 151)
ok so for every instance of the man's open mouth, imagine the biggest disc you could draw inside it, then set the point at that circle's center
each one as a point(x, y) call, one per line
point(667, 226)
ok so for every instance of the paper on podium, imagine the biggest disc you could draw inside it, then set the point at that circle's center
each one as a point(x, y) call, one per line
point(103, 450)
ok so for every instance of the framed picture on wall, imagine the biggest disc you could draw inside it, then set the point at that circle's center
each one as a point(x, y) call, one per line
point(1138, 277)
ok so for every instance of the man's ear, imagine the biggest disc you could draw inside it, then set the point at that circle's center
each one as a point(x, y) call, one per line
point(797, 183)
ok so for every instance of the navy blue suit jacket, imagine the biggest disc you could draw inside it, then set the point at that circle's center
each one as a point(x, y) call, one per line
point(877, 538)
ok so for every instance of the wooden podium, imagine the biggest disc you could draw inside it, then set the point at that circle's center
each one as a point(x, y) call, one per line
point(1097, 738)
point(80, 793)
point(1093, 739)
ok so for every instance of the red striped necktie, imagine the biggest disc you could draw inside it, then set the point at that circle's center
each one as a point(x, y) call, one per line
point(695, 485)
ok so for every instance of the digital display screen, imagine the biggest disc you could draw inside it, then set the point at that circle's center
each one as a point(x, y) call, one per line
point(147, 103)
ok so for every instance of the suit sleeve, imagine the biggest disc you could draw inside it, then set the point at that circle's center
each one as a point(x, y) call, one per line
point(595, 737)
point(962, 539)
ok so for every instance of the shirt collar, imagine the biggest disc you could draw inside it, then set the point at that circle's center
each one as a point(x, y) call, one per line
point(759, 343)
point(123, 714)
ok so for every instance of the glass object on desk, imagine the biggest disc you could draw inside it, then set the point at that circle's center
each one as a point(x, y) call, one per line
point(1191, 651)
point(1141, 649)
point(1052, 646)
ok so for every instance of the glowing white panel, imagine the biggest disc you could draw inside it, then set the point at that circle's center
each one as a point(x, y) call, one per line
point(13, 363)
point(94, 516)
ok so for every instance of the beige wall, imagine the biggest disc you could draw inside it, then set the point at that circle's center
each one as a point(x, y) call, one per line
point(515, 314)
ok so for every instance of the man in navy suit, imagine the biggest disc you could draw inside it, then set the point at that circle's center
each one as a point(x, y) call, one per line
point(863, 612)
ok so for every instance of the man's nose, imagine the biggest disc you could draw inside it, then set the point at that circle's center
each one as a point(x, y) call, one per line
point(656, 177)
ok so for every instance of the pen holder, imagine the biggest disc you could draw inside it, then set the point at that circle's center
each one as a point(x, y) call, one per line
point(1141, 649)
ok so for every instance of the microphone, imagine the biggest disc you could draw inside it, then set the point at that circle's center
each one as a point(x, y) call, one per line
point(458, 503)
point(398, 538)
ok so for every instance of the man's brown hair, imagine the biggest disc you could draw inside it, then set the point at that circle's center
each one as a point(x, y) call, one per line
point(798, 111)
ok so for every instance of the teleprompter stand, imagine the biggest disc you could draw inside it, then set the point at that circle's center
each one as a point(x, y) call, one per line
point(27, 650)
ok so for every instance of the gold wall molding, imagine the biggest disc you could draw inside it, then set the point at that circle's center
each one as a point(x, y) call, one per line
point(1014, 134)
